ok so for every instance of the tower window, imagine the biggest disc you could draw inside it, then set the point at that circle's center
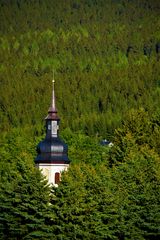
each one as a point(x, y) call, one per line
point(57, 177)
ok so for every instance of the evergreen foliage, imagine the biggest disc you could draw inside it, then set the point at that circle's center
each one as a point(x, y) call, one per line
point(106, 57)
point(24, 193)
point(115, 197)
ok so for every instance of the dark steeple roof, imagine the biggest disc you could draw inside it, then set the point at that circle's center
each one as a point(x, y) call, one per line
point(52, 149)
point(52, 111)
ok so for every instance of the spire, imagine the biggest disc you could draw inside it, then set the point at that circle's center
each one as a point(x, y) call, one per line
point(52, 111)
point(53, 104)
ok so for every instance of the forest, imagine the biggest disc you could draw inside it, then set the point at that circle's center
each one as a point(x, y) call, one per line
point(106, 60)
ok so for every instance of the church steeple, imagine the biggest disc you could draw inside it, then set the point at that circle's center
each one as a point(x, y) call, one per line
point(52, 151)
point(52, 120)
point(52, 111)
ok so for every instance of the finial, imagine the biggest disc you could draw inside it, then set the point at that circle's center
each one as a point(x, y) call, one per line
point(53, 77)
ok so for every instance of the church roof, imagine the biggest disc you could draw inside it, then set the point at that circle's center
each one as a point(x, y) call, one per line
point(52, 111)
point(52, 150)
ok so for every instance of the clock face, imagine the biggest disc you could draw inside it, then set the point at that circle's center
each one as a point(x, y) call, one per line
point(54, 127)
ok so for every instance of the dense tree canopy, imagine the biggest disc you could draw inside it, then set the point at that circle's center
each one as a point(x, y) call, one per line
point(107, 193)
point(105, 55)
point(106, 59)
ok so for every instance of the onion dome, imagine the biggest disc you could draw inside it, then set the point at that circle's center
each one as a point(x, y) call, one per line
point(52, 149)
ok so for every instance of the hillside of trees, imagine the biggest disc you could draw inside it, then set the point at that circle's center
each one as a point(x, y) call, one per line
point(106, 59)
point(105, 55)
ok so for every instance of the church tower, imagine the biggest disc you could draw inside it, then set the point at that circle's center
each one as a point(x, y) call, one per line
point(52, 156)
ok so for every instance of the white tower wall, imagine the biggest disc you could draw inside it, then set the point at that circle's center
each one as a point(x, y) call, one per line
point(50, 169)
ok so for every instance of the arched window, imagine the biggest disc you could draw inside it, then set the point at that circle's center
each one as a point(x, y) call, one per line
point(57, 177)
